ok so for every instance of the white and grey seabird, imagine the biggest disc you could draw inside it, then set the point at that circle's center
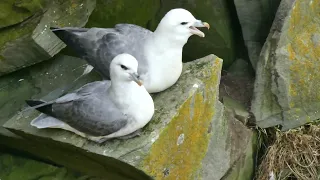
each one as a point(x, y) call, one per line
point(101, 110)
point(159, 53)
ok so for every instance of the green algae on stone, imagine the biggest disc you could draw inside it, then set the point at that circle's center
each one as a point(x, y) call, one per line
point(109, 12)
point(244, 168)
point(293, 68)
point(14, 12)
point(219, 39)
point(32, 41)
point(15, 32)
point(179, 105)
point(31, 5)
point(20, 168)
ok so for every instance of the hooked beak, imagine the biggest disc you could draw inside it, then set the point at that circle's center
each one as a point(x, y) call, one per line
point(135, 78)
point(196, 24)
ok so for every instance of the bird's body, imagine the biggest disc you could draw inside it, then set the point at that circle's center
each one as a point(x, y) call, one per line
point(159, 53)
point(99, 110)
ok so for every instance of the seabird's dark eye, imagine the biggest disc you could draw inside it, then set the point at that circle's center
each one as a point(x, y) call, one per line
point(184, 23)
point(124, 67)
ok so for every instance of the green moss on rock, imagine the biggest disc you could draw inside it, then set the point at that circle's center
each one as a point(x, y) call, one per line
point(108, 12)
point(13, 11)
point(244, 168)
point(16, 32)
point(32, 41)
point(19, 168)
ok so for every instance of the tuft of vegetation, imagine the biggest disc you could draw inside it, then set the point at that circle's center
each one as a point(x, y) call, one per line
point(294, 154)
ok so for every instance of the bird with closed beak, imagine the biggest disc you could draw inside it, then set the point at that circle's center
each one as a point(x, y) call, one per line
point(101, 110)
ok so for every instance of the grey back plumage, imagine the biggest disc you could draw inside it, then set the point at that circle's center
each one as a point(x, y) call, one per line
point(90, 110)
point(98, 46)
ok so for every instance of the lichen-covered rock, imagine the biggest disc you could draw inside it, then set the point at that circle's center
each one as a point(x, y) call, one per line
point(107, 13)
point(19, 168)
point(175, 144)
point(219, 39)
point(13, 11)
point(287, 84)
point(32, 41)
point(255, 18)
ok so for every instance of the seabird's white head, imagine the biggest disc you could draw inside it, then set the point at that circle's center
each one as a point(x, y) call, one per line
point(124, 67)
point(181, 24)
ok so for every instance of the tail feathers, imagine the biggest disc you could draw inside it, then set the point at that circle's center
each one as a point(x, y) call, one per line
point(54, 28)
point(44, 107)
point(45, 121)
point(69, 29)
point(71, 36)
point(34, 103)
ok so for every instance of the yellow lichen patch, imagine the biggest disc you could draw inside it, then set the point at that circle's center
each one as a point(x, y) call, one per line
point(291, 105)
point(291, 90)
point(182, 145)
point(181, 160)
point(292, 54)
point(304, 52)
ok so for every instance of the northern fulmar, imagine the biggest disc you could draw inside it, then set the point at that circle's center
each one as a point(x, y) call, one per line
point(101, 110)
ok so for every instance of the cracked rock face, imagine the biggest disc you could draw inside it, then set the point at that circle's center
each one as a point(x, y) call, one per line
point(287, 82)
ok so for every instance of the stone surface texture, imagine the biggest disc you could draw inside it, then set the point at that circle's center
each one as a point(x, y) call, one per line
point(31, 41)
point(287, 83)
point(232, 151)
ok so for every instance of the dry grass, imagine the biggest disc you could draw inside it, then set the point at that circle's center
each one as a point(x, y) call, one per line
point(295, 154)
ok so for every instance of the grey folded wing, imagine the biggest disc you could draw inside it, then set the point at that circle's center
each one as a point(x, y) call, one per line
point(90, 110)
point(102, 45)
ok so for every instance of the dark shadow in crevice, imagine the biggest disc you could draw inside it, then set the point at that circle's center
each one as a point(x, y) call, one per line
point(241, 50)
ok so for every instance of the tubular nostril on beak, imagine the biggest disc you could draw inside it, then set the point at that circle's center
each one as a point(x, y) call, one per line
point(137, 75)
